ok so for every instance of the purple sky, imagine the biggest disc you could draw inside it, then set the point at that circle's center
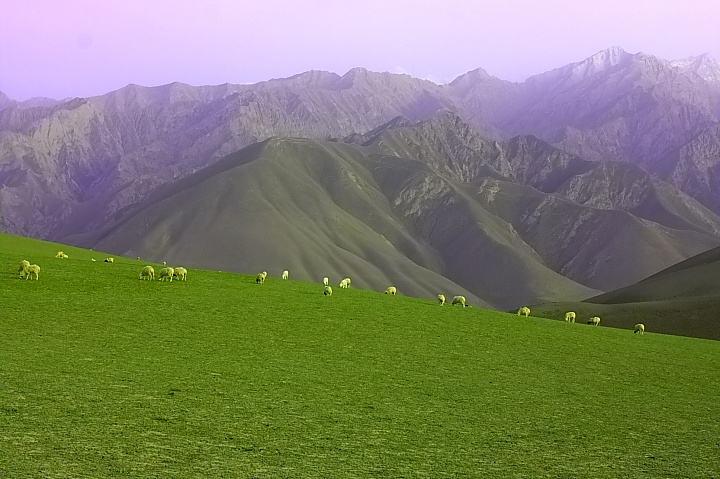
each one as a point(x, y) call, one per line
point(62, 48)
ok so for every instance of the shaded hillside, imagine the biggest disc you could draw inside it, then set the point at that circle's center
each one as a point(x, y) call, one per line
point(323, 208)
point(603, 224)
point(682, 299)
point(329, 209)
point(692, 278)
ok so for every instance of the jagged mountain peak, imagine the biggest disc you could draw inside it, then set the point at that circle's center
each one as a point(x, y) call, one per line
point(360, 77)
point(475, 75)
point(609, 57)
point(4, 100)
point(310, 78)
point(444, 121)
point(599, 62)
point(705, 66)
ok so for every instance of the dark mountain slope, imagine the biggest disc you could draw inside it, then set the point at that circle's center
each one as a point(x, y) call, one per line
point(603, 224)
point(692, 278)
point(682, 299)
point(323, 208)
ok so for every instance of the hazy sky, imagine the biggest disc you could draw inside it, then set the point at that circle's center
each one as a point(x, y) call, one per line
point(62, 48)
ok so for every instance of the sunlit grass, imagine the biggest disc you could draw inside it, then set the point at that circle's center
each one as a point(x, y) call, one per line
point(102, 374)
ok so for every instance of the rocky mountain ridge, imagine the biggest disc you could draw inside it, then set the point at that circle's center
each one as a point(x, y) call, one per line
point(619, 150)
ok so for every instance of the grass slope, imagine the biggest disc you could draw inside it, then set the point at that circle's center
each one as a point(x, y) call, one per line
point(104, 375)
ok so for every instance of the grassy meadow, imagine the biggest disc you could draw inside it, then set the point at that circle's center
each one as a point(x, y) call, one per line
point(104, 375)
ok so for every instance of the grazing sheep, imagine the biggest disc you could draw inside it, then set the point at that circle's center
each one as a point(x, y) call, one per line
point(33, 270)
point(639, 328)
point(164, 263)
point(148, 272)
point(524, 311)
point(59, 254)
point(327, 291)
point(570, 317)
point(180, 273)
point(109, 260)
point(92, 259)
point(138, 258)
point(64, 256)
point(285, 274)
point(460, 300)
point(392, 290)
point(343, 283)
point(326, 281)
point(23, 268)
point(441, 298)
point(260, 278)
point(595, 321)
point(166, 273)
point(348, 282)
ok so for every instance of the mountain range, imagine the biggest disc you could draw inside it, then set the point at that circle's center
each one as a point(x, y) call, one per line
point(583, 179)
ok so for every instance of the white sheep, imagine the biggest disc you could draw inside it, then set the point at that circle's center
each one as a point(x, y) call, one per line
point(59, 254)
point(166, 273)
point(595, 321)
point(23, 268)
point(524, 311)
point(327, 291)
point(343, 283)
point(285, 274)
point(570, 317)
point(180, 273)
point(92, 259)
point(326, 281)
point(391, 290)
point(441, 298)
point(639, 328)
point(460, 300)
point(33, 270)
point(109, 260)
point(148, 272)
point(164, 263)
point(260, 278)
point(64, 256)
point(348, 282)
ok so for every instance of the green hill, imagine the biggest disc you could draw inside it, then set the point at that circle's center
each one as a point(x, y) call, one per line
point(682, 299)
point(104, 375)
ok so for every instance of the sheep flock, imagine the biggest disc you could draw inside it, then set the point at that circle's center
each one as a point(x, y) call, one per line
point(28, 271)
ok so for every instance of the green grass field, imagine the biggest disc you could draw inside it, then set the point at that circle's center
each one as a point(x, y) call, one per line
point(103, 375)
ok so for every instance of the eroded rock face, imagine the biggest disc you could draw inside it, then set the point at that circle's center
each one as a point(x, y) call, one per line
point(695, 167)
point(99, 155)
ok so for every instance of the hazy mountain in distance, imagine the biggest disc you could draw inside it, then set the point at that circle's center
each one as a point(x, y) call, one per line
point(695, 167)
point(703, 65)
point(613, 106)
point(98, 155)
